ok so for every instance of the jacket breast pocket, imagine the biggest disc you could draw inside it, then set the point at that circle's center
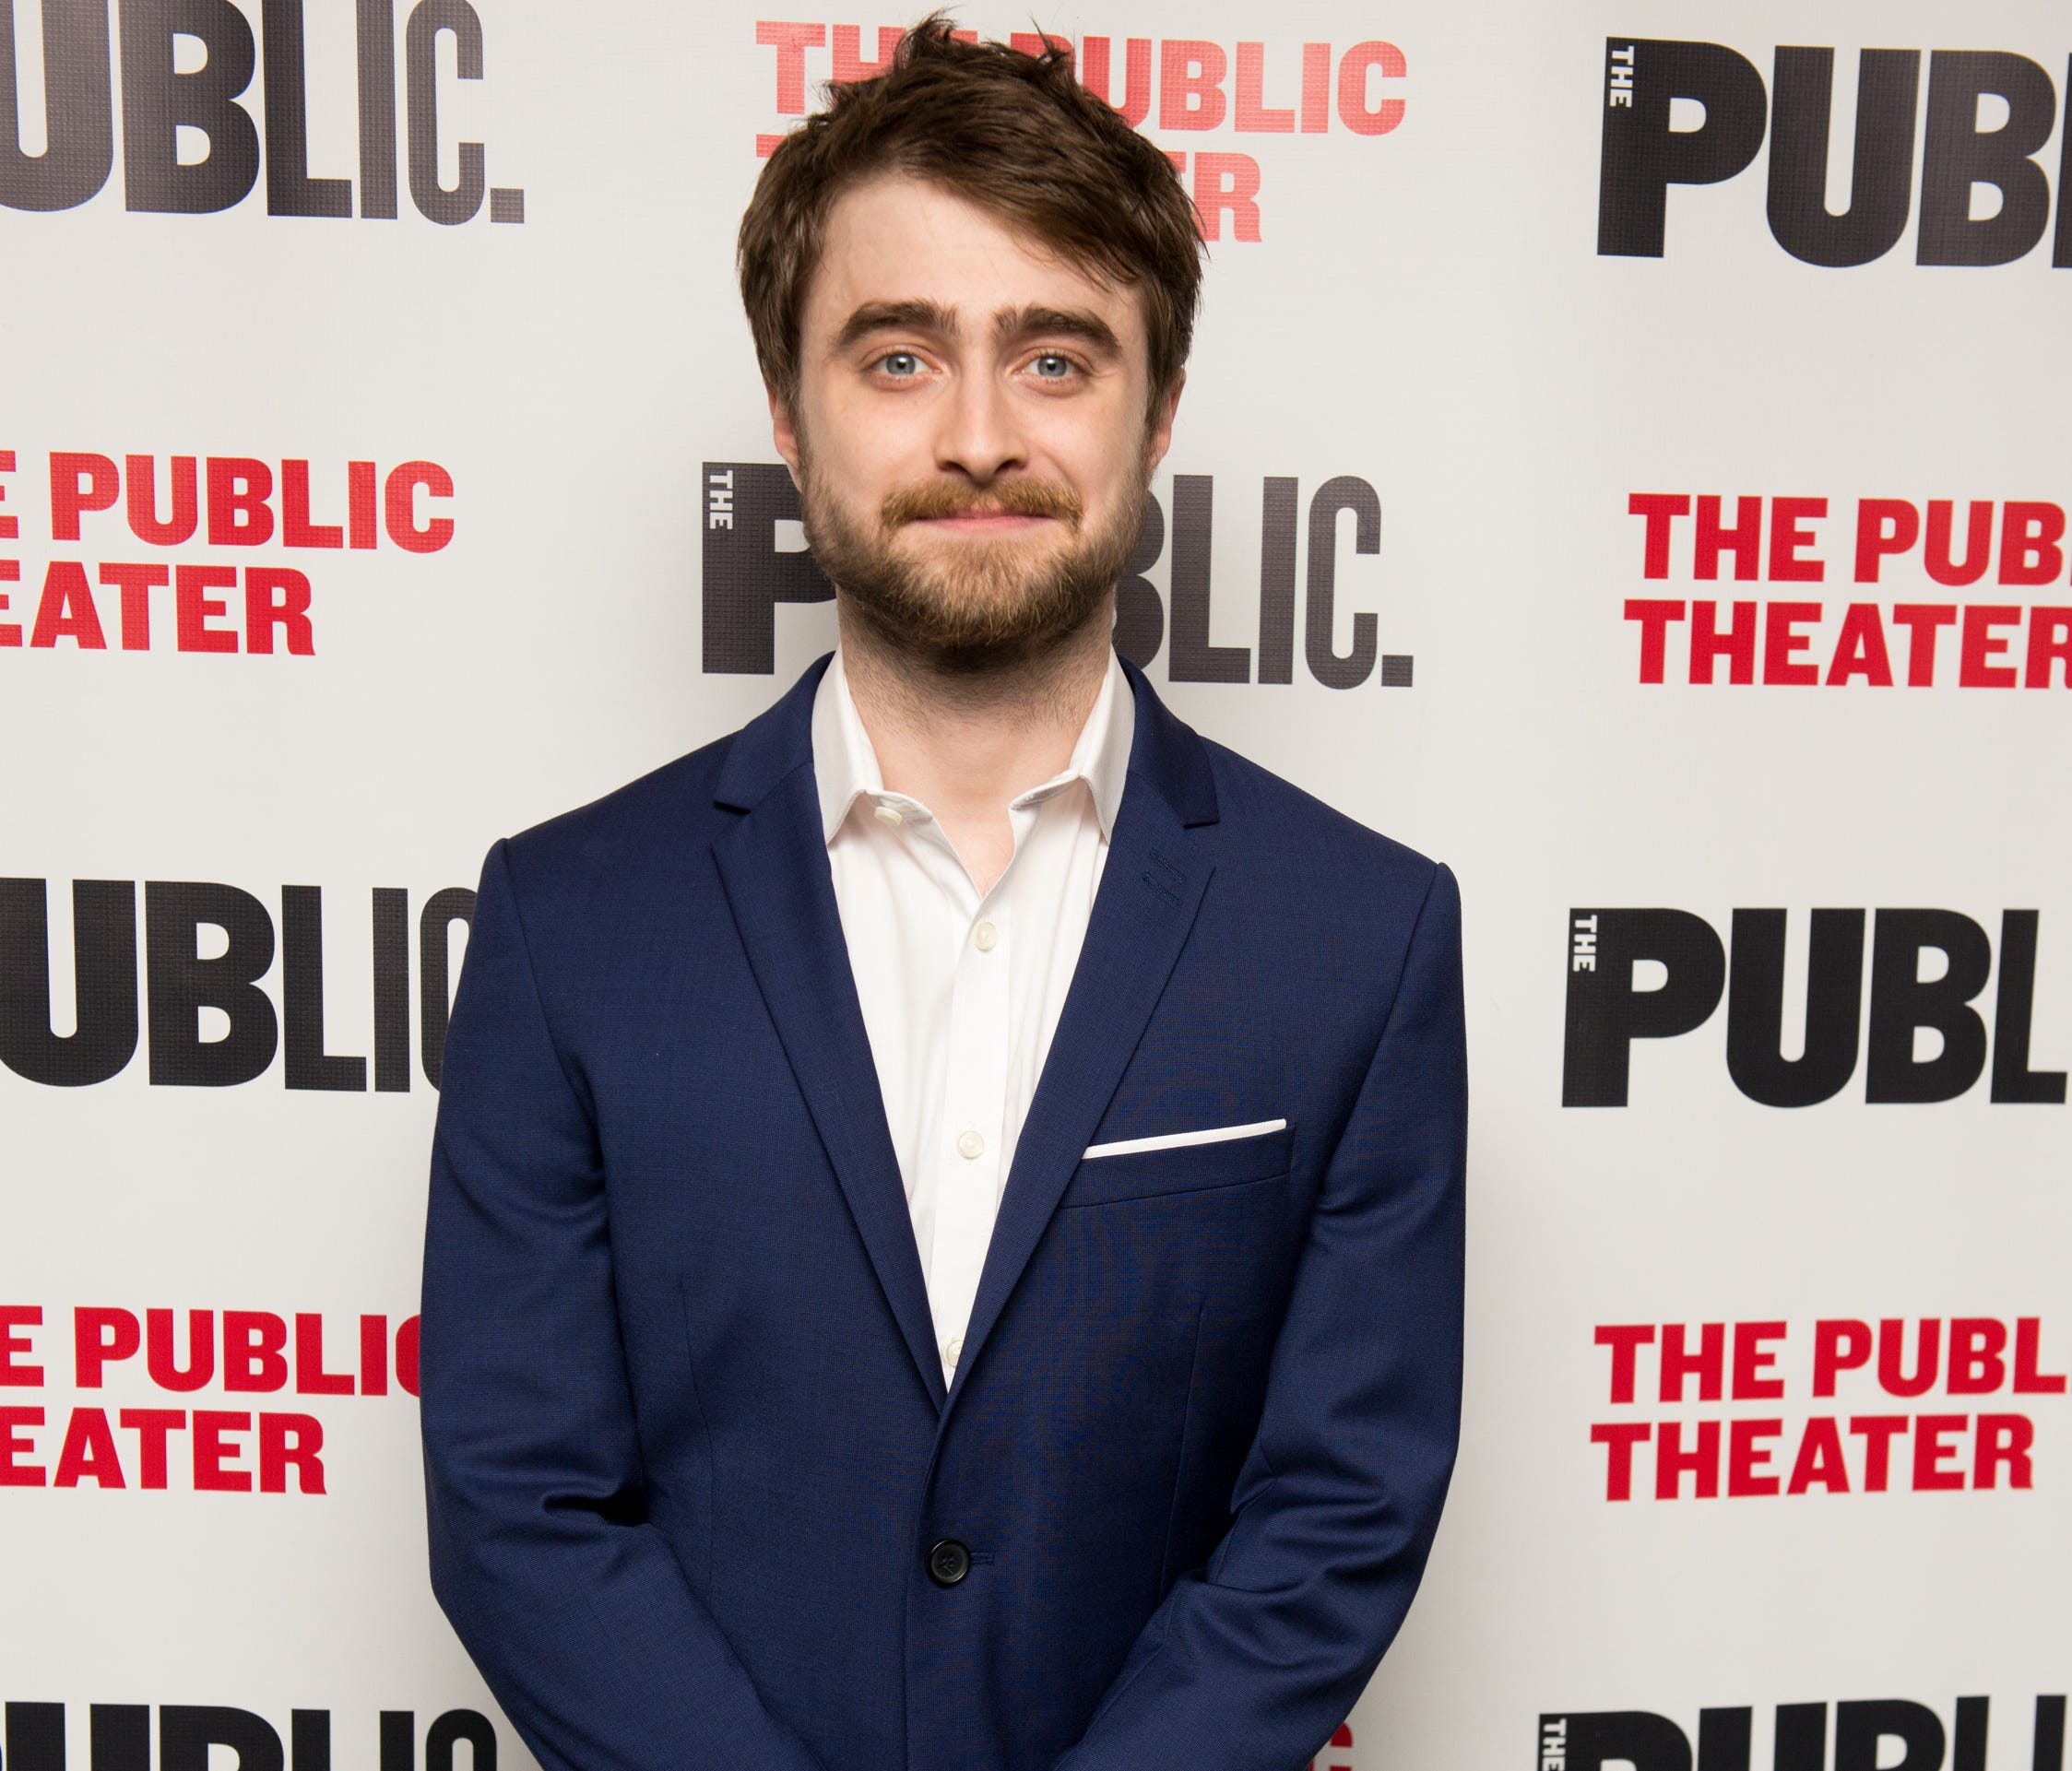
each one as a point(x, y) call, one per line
point(1182, 1169)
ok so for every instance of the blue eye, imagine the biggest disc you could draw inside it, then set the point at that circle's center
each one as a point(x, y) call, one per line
point(900, 363)
point(1050, 367)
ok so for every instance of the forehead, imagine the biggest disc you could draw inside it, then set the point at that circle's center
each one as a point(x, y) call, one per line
point(899, 239)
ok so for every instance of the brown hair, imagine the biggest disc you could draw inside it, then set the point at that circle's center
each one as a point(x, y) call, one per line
point(1013, 133)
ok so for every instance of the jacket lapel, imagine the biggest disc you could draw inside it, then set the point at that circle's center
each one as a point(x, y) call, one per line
point(1160, 858)
point(774, 866)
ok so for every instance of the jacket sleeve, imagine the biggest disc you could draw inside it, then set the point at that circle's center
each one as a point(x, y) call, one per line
point(1251, 1662)
point(573, 1607)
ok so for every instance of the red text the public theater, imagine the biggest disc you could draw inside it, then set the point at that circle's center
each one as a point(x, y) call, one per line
point(1968, 1382)
point(198, 1353)
point(1918, 638)
point(145, 506)
point(1184, 86)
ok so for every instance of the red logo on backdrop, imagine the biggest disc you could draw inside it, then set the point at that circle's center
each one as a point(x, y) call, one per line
point(1796, 641)
point(1970, 1426)
point(1340, 1739)
point(222, 502)
point(1177, 85)
point(240, 1449)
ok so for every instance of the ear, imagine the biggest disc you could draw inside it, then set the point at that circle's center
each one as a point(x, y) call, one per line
point(1160, 437)
point(783, 432)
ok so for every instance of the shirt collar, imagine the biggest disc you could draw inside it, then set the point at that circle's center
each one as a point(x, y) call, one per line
point(846, 766)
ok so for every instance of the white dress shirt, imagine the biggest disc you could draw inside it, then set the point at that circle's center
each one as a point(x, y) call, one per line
point(962, 990)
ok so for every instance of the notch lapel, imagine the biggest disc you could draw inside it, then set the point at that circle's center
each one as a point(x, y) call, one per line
point(1159, 861)
point(774, 866)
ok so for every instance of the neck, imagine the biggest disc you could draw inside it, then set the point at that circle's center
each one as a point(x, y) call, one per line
point(966, 741)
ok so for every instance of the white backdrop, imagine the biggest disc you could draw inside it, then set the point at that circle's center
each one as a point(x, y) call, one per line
point(1426, 310)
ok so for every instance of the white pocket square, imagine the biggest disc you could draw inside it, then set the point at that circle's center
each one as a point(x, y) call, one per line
point(1180, 1139)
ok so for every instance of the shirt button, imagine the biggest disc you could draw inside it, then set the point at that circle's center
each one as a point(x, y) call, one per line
point(983, 937)
point(970, 1145)
point(950, 1352)
point(888, 815)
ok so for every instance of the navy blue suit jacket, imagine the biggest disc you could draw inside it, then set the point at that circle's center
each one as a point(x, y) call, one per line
point(686, 1437)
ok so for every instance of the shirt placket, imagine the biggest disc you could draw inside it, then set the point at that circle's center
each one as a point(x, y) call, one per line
point(973, 1135)
point(977, 1146)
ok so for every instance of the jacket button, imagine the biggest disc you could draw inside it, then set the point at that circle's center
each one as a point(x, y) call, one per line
point(948, 1563)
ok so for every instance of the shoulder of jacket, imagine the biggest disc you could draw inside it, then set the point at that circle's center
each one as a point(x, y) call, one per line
point(1265, 814)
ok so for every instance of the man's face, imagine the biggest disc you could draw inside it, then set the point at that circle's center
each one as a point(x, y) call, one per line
point(970, 435)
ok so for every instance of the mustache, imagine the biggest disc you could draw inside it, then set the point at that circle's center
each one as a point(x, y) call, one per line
point(1010, 497)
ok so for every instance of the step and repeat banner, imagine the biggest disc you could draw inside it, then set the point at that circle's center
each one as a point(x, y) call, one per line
point(1622, 456)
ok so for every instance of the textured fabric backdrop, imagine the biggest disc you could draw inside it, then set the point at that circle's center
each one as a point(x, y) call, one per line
point(1622, 459)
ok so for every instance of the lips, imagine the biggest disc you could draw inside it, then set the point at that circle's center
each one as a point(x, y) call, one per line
point(983, 519)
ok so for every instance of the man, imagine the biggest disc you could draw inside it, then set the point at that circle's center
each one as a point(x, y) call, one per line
point(944, 1246)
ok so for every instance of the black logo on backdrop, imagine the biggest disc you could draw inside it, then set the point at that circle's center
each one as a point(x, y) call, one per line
point(1608, 1009)
point(746, 577)
point(1643, 156)
point(121, 1739)
point(179, 984)
point(158, 102)
point(1596, 1739)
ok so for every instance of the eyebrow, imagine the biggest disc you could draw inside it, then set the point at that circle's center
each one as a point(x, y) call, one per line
point(1073, 322)
point(1010, 323)
point(885, 316)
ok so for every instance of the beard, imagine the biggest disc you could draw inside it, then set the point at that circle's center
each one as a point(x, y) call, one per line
point(981, 603)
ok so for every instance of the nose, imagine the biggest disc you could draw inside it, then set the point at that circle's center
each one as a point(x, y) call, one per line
point(980, 434)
